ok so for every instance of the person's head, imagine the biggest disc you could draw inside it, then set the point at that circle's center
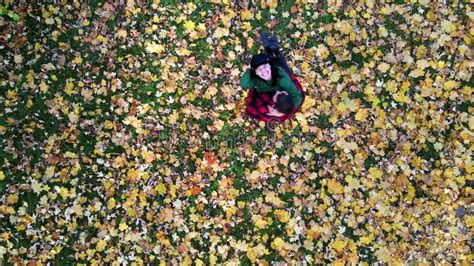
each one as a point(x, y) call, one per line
point(283, 102)
point(262, 67)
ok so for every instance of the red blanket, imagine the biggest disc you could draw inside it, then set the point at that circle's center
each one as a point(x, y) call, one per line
point(256, 106)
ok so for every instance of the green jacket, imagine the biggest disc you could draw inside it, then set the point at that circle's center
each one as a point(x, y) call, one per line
point(284, 83)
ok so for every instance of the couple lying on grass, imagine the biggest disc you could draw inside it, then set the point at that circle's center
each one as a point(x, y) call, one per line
point(274, 92)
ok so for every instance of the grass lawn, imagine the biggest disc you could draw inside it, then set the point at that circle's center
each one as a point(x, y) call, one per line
point(124, 137)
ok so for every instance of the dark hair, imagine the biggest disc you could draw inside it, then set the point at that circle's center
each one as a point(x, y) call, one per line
point(274, 69)
point(284, 103)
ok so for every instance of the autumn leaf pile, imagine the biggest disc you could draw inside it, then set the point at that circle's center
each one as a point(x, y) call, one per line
point(123, 135)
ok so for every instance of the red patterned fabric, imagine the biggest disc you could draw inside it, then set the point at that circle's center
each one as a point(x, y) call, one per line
point(256, 106)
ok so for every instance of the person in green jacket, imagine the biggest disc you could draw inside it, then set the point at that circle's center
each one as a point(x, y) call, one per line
point(267, 73)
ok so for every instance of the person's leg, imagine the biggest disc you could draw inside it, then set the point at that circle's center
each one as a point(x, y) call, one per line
point(264, 39)
point(271, 48)
point(269, 52)
point(281, 60)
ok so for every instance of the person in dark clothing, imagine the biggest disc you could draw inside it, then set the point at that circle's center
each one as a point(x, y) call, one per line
point(274, 89)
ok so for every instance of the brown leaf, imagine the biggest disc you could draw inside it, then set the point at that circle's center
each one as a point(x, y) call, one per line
point(401, 181)
point(273, 24)
point(200, 207)
point(294, 10)
point(182, 248)
point(145, 246)
point(32, 263)
point(220, 56)
point(53, 159)
point(244, 4)
point(166, 215)
point(195, 190)
point(55, 235)
point(159, 235)
point(210, 157)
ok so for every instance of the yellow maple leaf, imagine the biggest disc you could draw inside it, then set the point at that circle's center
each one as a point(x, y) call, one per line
point(334, 187)
point(422, 63)
point(246, 15)
point(69, 88)
point(271, 4)
point(469, 220)
point(424, 2)
point(184, 52)
point(382, 31)
point(123, 226)
point(383, 67)
point(417, 73)
point(341, 107)
point(410, 193)
point(305, 67)
point(375, 173)
point(201, 27)
point(365, 240)
point(218, 124)
point(212, 259)
point(383, 254)
point(308, 102)
point(282, 215)
point(12, 199)
point(211, 91)
point(2, 176)
point(148, 156)
point(448, 26)
point(11, 94)
point(221, 32)
point(160, 188)
point(335, 76)
point(361, 114)
point(43, 86)
point(111, 203)
point(63, 192)
point(278, 243)
point(450, 84)
point(339, 245)
point(122, 33)
point(261, 224)
point(49, 171)
point(101, 38)
point(50, 21)
point(401, 97)
point(119, 161)
point(469, 168)
point(189, 25)
point(272, 198)
point(345, 27)
point(77, 60)
point(108, 124)
point(173, 118)
point(18, 59)
point(153, 47)
point(133, 174)
point(198, 262)
point(100, 245)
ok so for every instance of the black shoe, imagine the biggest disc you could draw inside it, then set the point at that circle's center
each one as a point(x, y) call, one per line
point(273, 43)
point(264, 39)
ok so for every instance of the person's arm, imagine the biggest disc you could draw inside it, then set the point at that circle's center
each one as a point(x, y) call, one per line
point(274, 112)
point(287, 84)
point(246, 80)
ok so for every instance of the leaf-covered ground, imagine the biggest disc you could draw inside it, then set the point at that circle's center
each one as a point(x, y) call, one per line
point(123, 137)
